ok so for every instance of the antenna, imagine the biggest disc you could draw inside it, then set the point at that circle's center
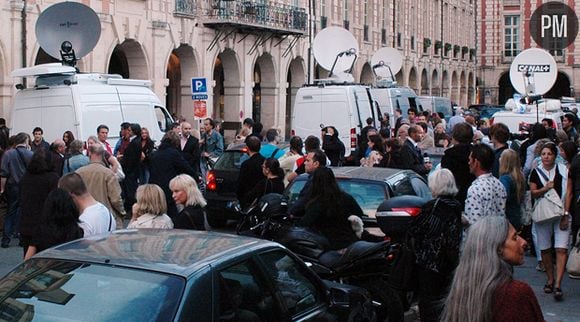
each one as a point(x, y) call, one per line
point(386, 63)
point(336, 50)
point(68, 31)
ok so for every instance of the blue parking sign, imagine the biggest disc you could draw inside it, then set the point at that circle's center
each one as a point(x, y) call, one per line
point(199, 85)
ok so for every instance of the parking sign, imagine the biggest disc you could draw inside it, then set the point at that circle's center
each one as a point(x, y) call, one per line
point(198, 86)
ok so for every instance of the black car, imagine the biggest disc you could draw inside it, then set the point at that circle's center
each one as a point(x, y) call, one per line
point(222, 185)
point(370, 186)
point(174, 275)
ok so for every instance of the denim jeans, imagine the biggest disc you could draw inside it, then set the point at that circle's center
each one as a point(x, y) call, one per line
point(12, 218)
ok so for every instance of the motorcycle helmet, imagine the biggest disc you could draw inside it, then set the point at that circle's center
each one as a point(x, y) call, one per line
point(273, 204)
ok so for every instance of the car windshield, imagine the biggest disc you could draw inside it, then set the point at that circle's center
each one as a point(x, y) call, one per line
point(230, 160)
point(368, 194)
point(54, 290)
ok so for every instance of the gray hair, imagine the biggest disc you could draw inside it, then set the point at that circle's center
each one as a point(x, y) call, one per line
point(442, 183)
point(480, 272)
point(75, 147)
point(97, 150)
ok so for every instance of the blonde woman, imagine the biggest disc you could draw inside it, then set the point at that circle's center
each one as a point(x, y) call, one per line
point(185, 193)
point(150, 208)
point(512, 178)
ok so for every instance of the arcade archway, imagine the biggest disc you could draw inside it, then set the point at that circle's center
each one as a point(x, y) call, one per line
point(264, 91)
point(181, 67)
point(366, 75)
point(128, 60)
point(424, 83)
point(295, 79)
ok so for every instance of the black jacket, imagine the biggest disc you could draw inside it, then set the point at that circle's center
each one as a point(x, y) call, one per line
point(456, 159)
point(334, 149)
point(131, 160)
point(164, 164)
point(264, 186)
point(192, 153)
point(34, 188)
point(412, 159)
point(250, 174)
point(191, 217)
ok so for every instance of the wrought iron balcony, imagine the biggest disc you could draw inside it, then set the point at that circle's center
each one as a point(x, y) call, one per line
point(275, 17)
point(186, 7)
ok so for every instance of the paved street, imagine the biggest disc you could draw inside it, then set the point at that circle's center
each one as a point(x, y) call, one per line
point(566, 311)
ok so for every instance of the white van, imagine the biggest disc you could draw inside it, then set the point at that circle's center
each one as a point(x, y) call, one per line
point(62, 100)
point(517, 115)
point(346, 107)
point(392, 98)
point(437, 104)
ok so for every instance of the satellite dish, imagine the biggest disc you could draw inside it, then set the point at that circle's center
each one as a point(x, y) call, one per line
point(68, 28)
point(533, 72)
point(387, 62)
point(335, 49)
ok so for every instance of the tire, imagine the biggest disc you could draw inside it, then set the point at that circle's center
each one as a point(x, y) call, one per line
point(216, 220)
point(391, 308)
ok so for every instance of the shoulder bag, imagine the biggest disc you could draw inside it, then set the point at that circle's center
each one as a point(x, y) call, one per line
point(549, 206)
point(573, 265)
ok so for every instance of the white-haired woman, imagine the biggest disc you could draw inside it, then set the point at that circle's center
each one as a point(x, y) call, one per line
point(437, 236)
point(150, 209)
point(483, 288)
point(185, 192)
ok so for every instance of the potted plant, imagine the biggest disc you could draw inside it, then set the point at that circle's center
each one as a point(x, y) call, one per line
point(447, 48)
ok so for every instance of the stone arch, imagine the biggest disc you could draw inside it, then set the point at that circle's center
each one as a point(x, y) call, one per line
point(181, 67)
point(435, 83)
point(445, 84)
point(367, 76)
point(399, 77)
point(455, 88)
point(227, 92)
point(320, 73)
point(264, 92)
point(505, 88)
point(128, 59)
point(295, 79)
point(413, 82)
point(462, 89)
point(424, 83)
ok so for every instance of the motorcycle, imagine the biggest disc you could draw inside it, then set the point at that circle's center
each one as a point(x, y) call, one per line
point(364, 264)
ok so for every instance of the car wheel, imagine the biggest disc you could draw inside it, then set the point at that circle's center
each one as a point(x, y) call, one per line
point(216, 220)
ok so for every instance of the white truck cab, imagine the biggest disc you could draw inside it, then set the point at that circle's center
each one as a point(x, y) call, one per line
point(391, 98)
point(517, 115)
point(344, 106)
point(62, 99)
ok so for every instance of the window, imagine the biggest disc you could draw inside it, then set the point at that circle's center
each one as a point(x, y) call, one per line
point(345, 11)
point(511, 36)
point(323, 16)
point(291, 280)
point(243, 297)
point(163, 119)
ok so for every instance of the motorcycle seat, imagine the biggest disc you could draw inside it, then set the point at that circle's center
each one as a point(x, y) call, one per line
point(336, 258)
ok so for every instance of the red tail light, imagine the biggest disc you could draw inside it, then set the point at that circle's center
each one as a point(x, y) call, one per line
point(413, 212)
point(353, 138)
point(293, 132)
point(210, 181)
point(491, 121)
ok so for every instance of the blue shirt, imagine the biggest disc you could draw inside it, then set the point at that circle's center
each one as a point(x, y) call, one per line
point(268, 149)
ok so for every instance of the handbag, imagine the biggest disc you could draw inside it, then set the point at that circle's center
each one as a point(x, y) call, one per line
point(573, 265)
point(549, 206)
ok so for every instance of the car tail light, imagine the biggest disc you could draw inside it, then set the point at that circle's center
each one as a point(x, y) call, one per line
point(293, 132)
point(211, 182)
point(353, 138)
point(409, 211)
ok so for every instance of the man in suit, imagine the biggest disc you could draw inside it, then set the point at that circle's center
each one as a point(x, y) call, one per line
point(190, 148)
point(411, 155)
point(131, 163)
point(250, 171)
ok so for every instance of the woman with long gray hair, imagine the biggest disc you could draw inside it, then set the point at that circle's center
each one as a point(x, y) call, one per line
point(483, 288)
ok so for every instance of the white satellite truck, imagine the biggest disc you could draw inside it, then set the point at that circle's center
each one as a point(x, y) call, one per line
point(532, 73)
point(60, 98)
point(335, 101)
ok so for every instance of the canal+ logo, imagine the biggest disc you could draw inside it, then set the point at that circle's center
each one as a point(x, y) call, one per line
point(554, 26)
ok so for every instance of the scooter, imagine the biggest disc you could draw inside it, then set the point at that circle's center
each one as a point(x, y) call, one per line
point(364, 264)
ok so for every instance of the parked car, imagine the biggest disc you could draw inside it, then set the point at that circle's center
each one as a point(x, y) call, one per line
point(172, 275)
point(370, 186)
point(222, 184)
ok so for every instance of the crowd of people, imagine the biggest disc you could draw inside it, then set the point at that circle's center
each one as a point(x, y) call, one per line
point(69, 189)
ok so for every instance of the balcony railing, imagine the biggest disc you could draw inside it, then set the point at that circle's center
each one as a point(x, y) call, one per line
point(262, 13)
point(186, 7)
